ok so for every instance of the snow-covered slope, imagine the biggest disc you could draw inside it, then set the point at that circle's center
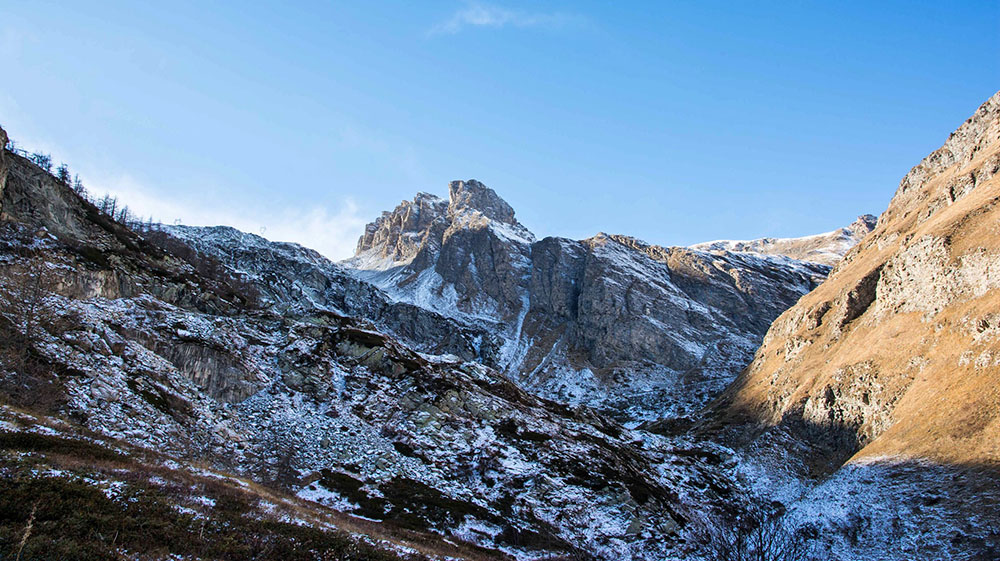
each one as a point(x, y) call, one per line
point(297, 280)
point(827, 248)
point(137, 339)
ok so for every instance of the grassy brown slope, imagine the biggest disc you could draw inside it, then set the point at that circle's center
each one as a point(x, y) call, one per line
point(900, 347)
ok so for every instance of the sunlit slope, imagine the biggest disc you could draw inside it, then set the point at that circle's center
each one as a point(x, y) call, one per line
point(898, 350)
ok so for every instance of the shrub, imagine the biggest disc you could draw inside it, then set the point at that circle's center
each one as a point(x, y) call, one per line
point(758, 534)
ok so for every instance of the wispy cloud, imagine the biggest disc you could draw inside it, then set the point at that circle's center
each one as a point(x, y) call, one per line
point(330, 231)
point(477, 14)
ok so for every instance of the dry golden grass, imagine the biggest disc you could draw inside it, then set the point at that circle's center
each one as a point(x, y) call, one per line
point(917, 369)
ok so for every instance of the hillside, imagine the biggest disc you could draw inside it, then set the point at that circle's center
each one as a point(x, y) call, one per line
point(140, 378)
point(891, 364)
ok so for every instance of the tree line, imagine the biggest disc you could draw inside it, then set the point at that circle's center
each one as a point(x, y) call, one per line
point(107, 204)
point(226, 284)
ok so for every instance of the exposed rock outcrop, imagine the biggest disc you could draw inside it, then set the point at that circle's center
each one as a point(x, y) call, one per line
point(3, 165)
point(298, 280)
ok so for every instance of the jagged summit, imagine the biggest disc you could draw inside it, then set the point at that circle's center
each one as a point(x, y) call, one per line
point(415, 230)
point(865, 222)
point(396, 236)
point(474, 196)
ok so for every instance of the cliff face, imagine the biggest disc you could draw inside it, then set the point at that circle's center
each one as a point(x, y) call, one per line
point(467, 256)
point(640, 328)
point(898, 350)
point(3, 165)
point(610, 321)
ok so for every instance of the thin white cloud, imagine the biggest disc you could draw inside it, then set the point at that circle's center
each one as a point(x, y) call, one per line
point(331, 231)
point(477, 14)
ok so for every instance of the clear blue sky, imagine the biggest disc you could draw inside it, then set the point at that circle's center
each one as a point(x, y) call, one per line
point(673, 122)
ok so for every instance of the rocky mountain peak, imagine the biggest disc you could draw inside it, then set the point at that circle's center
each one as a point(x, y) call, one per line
point(397, 235)
point(416, 230)
point(864, 224)
point(473, 195)
point(579, 320)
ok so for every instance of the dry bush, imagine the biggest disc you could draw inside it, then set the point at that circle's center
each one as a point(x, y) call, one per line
point(24, 286)
point(758, 534)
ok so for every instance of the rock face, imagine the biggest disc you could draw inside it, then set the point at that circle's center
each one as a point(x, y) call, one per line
point(826, 249)
point(610, 321)
point(467, 257)
point(297, 281)
point(892, 362)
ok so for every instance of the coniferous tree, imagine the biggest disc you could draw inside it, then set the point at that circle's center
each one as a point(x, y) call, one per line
point(62, 173)
point(43, 161)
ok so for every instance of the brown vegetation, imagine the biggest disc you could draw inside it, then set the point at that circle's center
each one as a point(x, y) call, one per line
point(901, 345)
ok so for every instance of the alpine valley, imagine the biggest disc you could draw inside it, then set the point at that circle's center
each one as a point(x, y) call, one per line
point(459, 389)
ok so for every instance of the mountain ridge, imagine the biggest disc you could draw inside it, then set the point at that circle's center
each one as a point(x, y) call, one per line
point(827, 248)
point(578, 316)
point(887, 371)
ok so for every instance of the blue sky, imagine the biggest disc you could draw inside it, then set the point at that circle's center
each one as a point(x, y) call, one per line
point(676, 122)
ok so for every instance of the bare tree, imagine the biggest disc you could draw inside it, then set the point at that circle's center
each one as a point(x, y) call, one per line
point(104, 204)
point(78, 186)
point(23, 289)
point(758, 534)
point(29, 381)
point(124, 215)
